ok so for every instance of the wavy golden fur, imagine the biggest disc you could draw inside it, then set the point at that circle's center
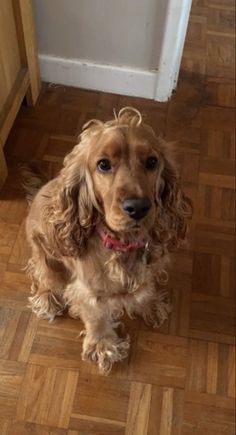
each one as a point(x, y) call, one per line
point(72, 268)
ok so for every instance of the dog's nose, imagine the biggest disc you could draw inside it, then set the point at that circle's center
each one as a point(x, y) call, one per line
point(136, 208)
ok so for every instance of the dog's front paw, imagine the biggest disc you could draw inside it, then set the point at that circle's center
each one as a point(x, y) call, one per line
point(106, 351)
point(158, 310)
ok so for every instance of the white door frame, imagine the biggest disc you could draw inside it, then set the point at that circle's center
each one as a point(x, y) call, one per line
point(177, 17)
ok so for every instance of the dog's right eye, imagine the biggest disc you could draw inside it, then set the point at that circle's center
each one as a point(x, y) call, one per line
point(104, 165)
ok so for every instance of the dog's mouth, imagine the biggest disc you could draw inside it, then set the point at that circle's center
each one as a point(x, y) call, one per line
point(128, 241)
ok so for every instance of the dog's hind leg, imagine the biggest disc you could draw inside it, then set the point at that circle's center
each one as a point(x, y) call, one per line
point(153, 305)
point(48, 283)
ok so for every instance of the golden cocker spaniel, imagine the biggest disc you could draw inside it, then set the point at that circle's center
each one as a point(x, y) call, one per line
point(101, 233)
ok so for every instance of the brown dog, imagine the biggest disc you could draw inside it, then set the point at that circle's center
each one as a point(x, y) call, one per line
point(101, 233)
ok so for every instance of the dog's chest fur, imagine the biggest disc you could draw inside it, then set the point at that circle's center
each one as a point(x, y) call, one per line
point(106, 274)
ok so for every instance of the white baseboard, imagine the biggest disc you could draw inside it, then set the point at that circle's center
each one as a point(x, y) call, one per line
point(107, 78)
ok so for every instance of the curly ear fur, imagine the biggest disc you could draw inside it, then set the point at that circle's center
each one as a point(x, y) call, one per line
point(73, 212)
point(174, 209)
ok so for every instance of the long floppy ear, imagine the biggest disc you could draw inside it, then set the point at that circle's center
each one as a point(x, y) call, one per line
point(174, 208)
point(74, 209)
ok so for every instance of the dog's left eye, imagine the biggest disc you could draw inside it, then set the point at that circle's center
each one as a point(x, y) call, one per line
point(151, 163)
point(104, 165)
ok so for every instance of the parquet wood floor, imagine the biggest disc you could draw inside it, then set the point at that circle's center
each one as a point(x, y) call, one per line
point(179, 380)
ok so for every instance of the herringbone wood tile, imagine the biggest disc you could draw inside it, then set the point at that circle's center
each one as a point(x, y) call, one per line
point(179, 380)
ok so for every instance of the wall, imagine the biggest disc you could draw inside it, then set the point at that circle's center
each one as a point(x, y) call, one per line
point(130, 47)
point(124, 32)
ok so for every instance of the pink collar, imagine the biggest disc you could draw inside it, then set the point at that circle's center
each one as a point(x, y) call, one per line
point(116, 244)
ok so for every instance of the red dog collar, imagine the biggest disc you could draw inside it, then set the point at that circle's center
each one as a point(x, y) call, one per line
point(117, 245)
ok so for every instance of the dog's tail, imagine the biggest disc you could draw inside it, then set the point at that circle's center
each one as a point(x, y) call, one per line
point(33, 178)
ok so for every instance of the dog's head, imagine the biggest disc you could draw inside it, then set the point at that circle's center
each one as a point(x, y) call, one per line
point(124, 175)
